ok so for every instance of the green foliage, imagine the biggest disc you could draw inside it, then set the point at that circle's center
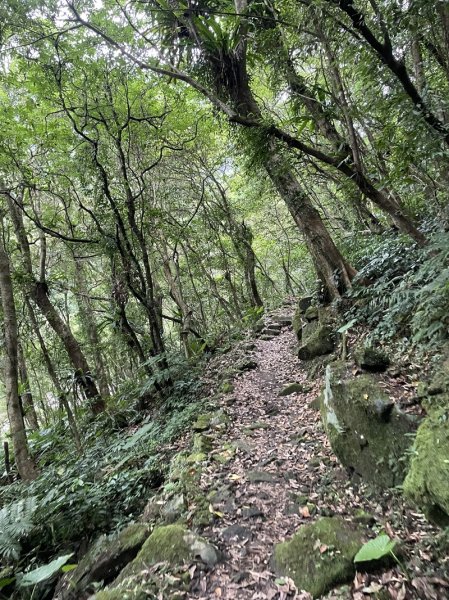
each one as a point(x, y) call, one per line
point(45, 572)
point(375, 549)
point(16, 522)
point(403, 291)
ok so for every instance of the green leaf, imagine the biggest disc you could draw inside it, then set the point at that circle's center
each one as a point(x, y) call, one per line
point(44, 572)
point(6, 581)
point(70, 567)
point(347, 326)
point(375, 549)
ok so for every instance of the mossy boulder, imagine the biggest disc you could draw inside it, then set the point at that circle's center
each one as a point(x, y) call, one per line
point(427, 482)
point(371, 359)
point(367, 432)
point(103, 561)
point(320, 555)
point(172, 544)
point(319, 343)
point(293, 388)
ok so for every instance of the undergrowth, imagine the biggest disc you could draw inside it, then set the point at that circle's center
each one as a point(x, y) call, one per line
point(401, 292)
point(76, 497)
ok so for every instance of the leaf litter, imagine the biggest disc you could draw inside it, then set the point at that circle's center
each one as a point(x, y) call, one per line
point(299, 480)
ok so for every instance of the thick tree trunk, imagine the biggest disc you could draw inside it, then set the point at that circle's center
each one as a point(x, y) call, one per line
point(333, 270)
point(26, 467)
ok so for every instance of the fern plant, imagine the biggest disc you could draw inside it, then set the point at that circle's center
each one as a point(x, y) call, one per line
point(16, 521)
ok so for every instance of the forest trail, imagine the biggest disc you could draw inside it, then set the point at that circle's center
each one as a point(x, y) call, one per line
point(282, 475)
point(281, 454)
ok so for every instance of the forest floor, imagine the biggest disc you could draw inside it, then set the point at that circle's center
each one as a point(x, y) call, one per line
point(283, 475)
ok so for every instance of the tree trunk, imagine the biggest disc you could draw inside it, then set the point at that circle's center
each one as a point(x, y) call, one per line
point(38, 290)
point(26, 467)
point(90, 328)
point(52, 374)
point(332, 269)
point(29, 410)
point(82, 370)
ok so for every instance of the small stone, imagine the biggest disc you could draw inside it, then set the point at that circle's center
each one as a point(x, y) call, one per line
point(292, 388)
point(252, 513)
point(246, 365)
point(260, 477)
point(174, 508)
point(257, 425)
point(236, 531)
point(272, 409)
point(243, 446)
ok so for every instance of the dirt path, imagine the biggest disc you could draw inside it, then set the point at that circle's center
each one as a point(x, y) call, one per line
point(283, 474)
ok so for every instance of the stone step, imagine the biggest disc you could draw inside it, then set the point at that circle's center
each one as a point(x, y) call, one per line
point(272, 332)
point(266, 337)
point(273, 325)
point(282, 319)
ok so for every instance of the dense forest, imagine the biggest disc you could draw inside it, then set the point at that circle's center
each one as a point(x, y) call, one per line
point(201, 202)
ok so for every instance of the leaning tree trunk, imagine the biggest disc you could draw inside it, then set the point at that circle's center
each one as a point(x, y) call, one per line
point(38, 291)
point(71, 345)
point(26, 467)
point(334, 272)
point(62, 396)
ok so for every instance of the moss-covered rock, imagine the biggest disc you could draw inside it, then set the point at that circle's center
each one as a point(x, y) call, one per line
point(172, 544)
point(202, 443)
point(227, 387)
point(368, 434)
point(293, 388)
point(427, 482)
point(103, 561)
point(311, 313)
point(297, 324)
point(371, 359)
point(212, 420)
point(320, 556)
point(320, 342)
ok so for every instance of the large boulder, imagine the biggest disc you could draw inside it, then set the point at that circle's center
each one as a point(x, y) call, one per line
point(320, 555)
point(427, 482)
point(320, 342)
point(172, 545)
point(369, 435)
point(102, 562)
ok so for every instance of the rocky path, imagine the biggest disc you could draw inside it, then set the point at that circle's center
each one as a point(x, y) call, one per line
point(282, 475)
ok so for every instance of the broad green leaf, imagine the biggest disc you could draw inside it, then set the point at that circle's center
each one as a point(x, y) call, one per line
point(44, 572)
point(347, 326)
point(375, 549)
